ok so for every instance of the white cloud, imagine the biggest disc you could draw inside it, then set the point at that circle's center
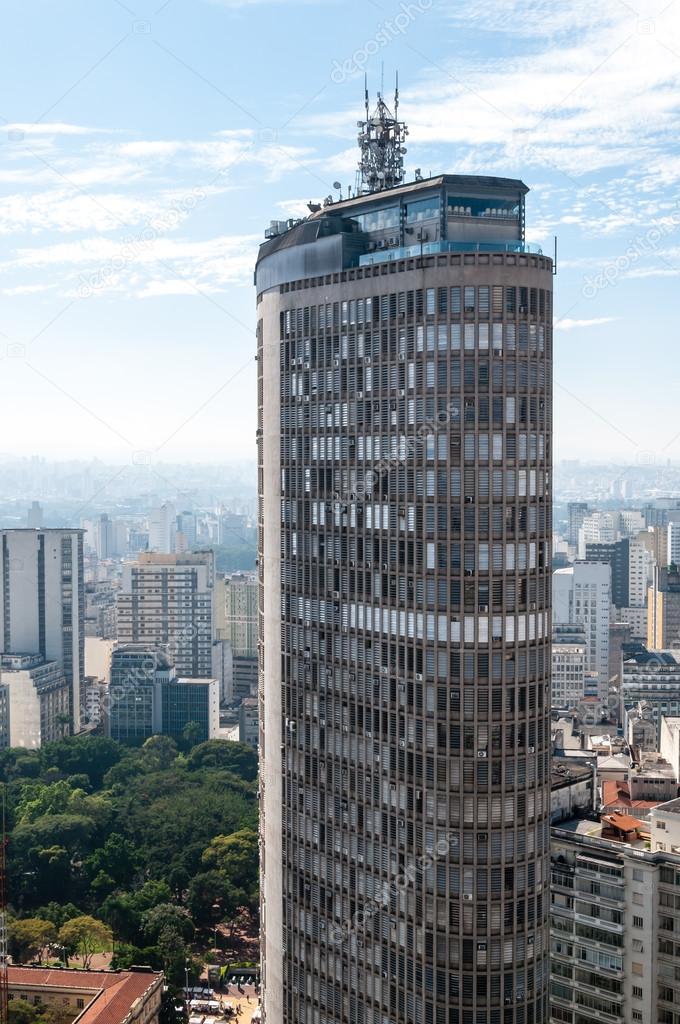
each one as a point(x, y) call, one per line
point(572, 325)
point(51, 128)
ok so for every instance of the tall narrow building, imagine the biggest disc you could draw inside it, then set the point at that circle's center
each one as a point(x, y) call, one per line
point(404, 348)
point(43, 602)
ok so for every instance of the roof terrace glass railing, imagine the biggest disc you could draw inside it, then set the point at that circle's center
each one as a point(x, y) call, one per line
point(432, 248)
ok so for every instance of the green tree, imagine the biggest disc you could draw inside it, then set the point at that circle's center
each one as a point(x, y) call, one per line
point(87, 755)
point(235, 757)
point(117, 858)
point(165, 916)
point(237, 857)
point(28, 938)
point(191, 734)
point(85, 936)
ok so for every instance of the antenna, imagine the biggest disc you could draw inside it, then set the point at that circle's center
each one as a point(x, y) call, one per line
point(381, 140)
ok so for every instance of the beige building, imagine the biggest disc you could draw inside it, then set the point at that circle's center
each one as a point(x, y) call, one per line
point(166, 600)
point(91, 997)
point(663, 610)
point(240, 592)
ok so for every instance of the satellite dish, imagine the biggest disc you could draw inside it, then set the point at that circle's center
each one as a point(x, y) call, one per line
point(336, 184)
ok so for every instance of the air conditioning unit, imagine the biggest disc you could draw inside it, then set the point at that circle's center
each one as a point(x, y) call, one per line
point(531, 750)
point(419, 677)
point(468, 897)
point(306, 366)
point(481, 753)
point(402, 357)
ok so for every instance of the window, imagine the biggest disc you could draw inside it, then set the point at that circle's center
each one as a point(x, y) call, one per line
point(637, 992)
point(638, 922)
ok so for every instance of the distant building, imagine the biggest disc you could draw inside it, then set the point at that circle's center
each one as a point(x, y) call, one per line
point(569, 652)
point(652, 677)
point(249, 722)
point(167, 601)
point(104, 538)
point(162, 528)
point(42, 602)
point(147, 698)
point(95, 703)
point(34, 701)
point(34, 516)
point(617, 555)
point(582, 595)
point(597, 528)
point(663, 615)
point(91, 997)
point(100, 610)
point(241, 607)
point(576, 512)
point(673, 547)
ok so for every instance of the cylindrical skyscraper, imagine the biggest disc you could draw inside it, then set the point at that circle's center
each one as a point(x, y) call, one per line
point(404, 347)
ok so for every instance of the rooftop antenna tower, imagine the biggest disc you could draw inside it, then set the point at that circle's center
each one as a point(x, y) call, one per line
point(381, 141)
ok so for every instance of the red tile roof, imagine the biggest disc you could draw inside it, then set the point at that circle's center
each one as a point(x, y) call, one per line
point(617, 794)
point(113, 992)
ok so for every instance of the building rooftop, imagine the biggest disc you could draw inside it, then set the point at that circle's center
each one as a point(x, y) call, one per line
point(113, 992)
point(617, 794)
point(565, 772)
point(670, 806)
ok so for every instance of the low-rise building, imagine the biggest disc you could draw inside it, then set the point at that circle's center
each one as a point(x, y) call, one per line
point(147, 698)
point(91, 997)
point(652, 778)
point(573, 792)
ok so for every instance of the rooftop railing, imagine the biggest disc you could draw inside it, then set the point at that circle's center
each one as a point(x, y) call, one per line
point(433, 248)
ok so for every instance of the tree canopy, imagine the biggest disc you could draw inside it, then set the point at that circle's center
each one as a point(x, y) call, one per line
point(139, 845)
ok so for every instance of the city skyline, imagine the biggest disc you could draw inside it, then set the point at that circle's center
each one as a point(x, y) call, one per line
point(142, 161)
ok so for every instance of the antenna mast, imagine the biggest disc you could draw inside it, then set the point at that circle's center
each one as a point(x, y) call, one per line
point(381, 140)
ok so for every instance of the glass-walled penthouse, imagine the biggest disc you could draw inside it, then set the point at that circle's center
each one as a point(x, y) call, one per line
point(449, 213)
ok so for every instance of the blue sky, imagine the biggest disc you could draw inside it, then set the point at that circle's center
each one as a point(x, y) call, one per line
point(144, 147)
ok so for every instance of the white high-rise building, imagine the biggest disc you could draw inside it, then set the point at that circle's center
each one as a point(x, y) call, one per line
point(597, 528)
point(167, 600)
point(582, 594)
point(674, 543)
point(162, 528)
point(43, 602)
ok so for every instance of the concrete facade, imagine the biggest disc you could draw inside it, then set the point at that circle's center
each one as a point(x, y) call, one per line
point(404, 454)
